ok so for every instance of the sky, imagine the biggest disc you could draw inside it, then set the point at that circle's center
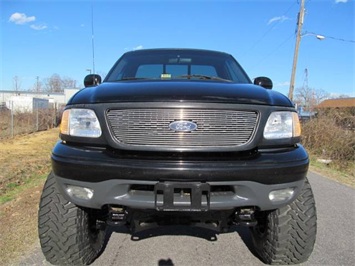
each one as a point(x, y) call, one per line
point(42, 38)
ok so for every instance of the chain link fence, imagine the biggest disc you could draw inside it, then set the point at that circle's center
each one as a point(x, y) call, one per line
point(14, 123)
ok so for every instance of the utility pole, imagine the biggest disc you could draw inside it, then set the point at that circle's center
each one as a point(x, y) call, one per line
point(295, 56)
point(37, 84)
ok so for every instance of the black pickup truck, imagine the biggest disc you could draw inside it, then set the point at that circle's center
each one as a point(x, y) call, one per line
point(178, 136)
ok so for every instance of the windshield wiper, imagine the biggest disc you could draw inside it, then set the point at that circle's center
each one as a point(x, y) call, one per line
point(198, 76)
point(202, 77)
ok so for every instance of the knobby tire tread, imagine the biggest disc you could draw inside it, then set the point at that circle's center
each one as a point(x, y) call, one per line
point(63, 229)
point(290, 231)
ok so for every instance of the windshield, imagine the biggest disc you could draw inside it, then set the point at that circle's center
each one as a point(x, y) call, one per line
point(177, 64)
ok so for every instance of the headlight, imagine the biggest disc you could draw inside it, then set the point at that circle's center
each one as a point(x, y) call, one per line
point(282, 125)
point(80, 123)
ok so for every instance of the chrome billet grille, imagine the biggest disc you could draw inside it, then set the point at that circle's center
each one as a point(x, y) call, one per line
point(142, 127)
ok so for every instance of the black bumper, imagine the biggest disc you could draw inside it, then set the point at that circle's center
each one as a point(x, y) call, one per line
point(132, 181)
point(97, 165)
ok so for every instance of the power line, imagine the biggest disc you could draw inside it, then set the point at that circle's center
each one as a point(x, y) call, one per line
point(321, 22)
point(273, 51)
point(271, 28)
point(334, 38)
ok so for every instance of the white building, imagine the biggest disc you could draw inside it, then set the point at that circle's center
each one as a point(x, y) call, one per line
point(25, 104)
point(56, 98)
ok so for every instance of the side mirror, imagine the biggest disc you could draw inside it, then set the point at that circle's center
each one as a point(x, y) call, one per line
point(263, 82)
point(92, 80)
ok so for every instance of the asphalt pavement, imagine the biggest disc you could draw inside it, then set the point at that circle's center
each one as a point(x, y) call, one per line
point(178, 245)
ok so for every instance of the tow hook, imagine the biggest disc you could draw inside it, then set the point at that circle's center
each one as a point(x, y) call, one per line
point(245, 217)
point(117, 216)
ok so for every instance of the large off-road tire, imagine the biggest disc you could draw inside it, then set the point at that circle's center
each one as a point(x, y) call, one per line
point(287, 235)
point(67, 233)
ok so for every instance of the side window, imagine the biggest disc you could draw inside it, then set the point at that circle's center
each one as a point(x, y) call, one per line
point(203, 70)
point(236, 72)
point(149, 71)
point(118, 71)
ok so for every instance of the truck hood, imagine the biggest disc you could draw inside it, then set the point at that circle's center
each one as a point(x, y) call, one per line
point(181, 91)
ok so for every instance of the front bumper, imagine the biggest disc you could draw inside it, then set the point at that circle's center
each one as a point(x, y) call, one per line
point(130, 180)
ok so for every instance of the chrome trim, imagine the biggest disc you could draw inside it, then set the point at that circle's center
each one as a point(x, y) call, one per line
point(144, 127)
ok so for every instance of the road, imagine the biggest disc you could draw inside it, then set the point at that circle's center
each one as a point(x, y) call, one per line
point(335, 244)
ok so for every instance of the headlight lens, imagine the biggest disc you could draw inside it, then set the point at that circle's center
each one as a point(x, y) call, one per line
point(80, 123)
point(282, 125)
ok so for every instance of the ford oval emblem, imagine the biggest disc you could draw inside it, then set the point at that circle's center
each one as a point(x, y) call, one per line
point(183, 126)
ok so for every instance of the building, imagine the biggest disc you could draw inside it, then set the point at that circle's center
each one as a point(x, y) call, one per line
point(55, 98)
point(338, 103)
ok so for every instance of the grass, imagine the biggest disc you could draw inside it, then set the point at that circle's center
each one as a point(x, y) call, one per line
point(23, 159)
point(14, 189)
point(24, 165)
point(345, 176)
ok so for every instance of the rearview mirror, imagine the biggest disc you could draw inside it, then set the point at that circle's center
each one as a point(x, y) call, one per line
point(92, 80)
point(263, 82)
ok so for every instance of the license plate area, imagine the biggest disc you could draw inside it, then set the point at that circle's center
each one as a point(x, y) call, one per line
point(174, 196)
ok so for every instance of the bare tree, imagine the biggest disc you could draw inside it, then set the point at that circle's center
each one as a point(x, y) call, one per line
point(309, 98)
point(319, 96)
point(57, 84)
point(53, 83)
point(342, 96)
point(68, 83)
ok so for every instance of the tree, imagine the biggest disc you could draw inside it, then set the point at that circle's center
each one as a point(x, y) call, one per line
point(53, 84)
point(309, 98)
point(342, 96)
point(57, 84)
point(68, 83)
